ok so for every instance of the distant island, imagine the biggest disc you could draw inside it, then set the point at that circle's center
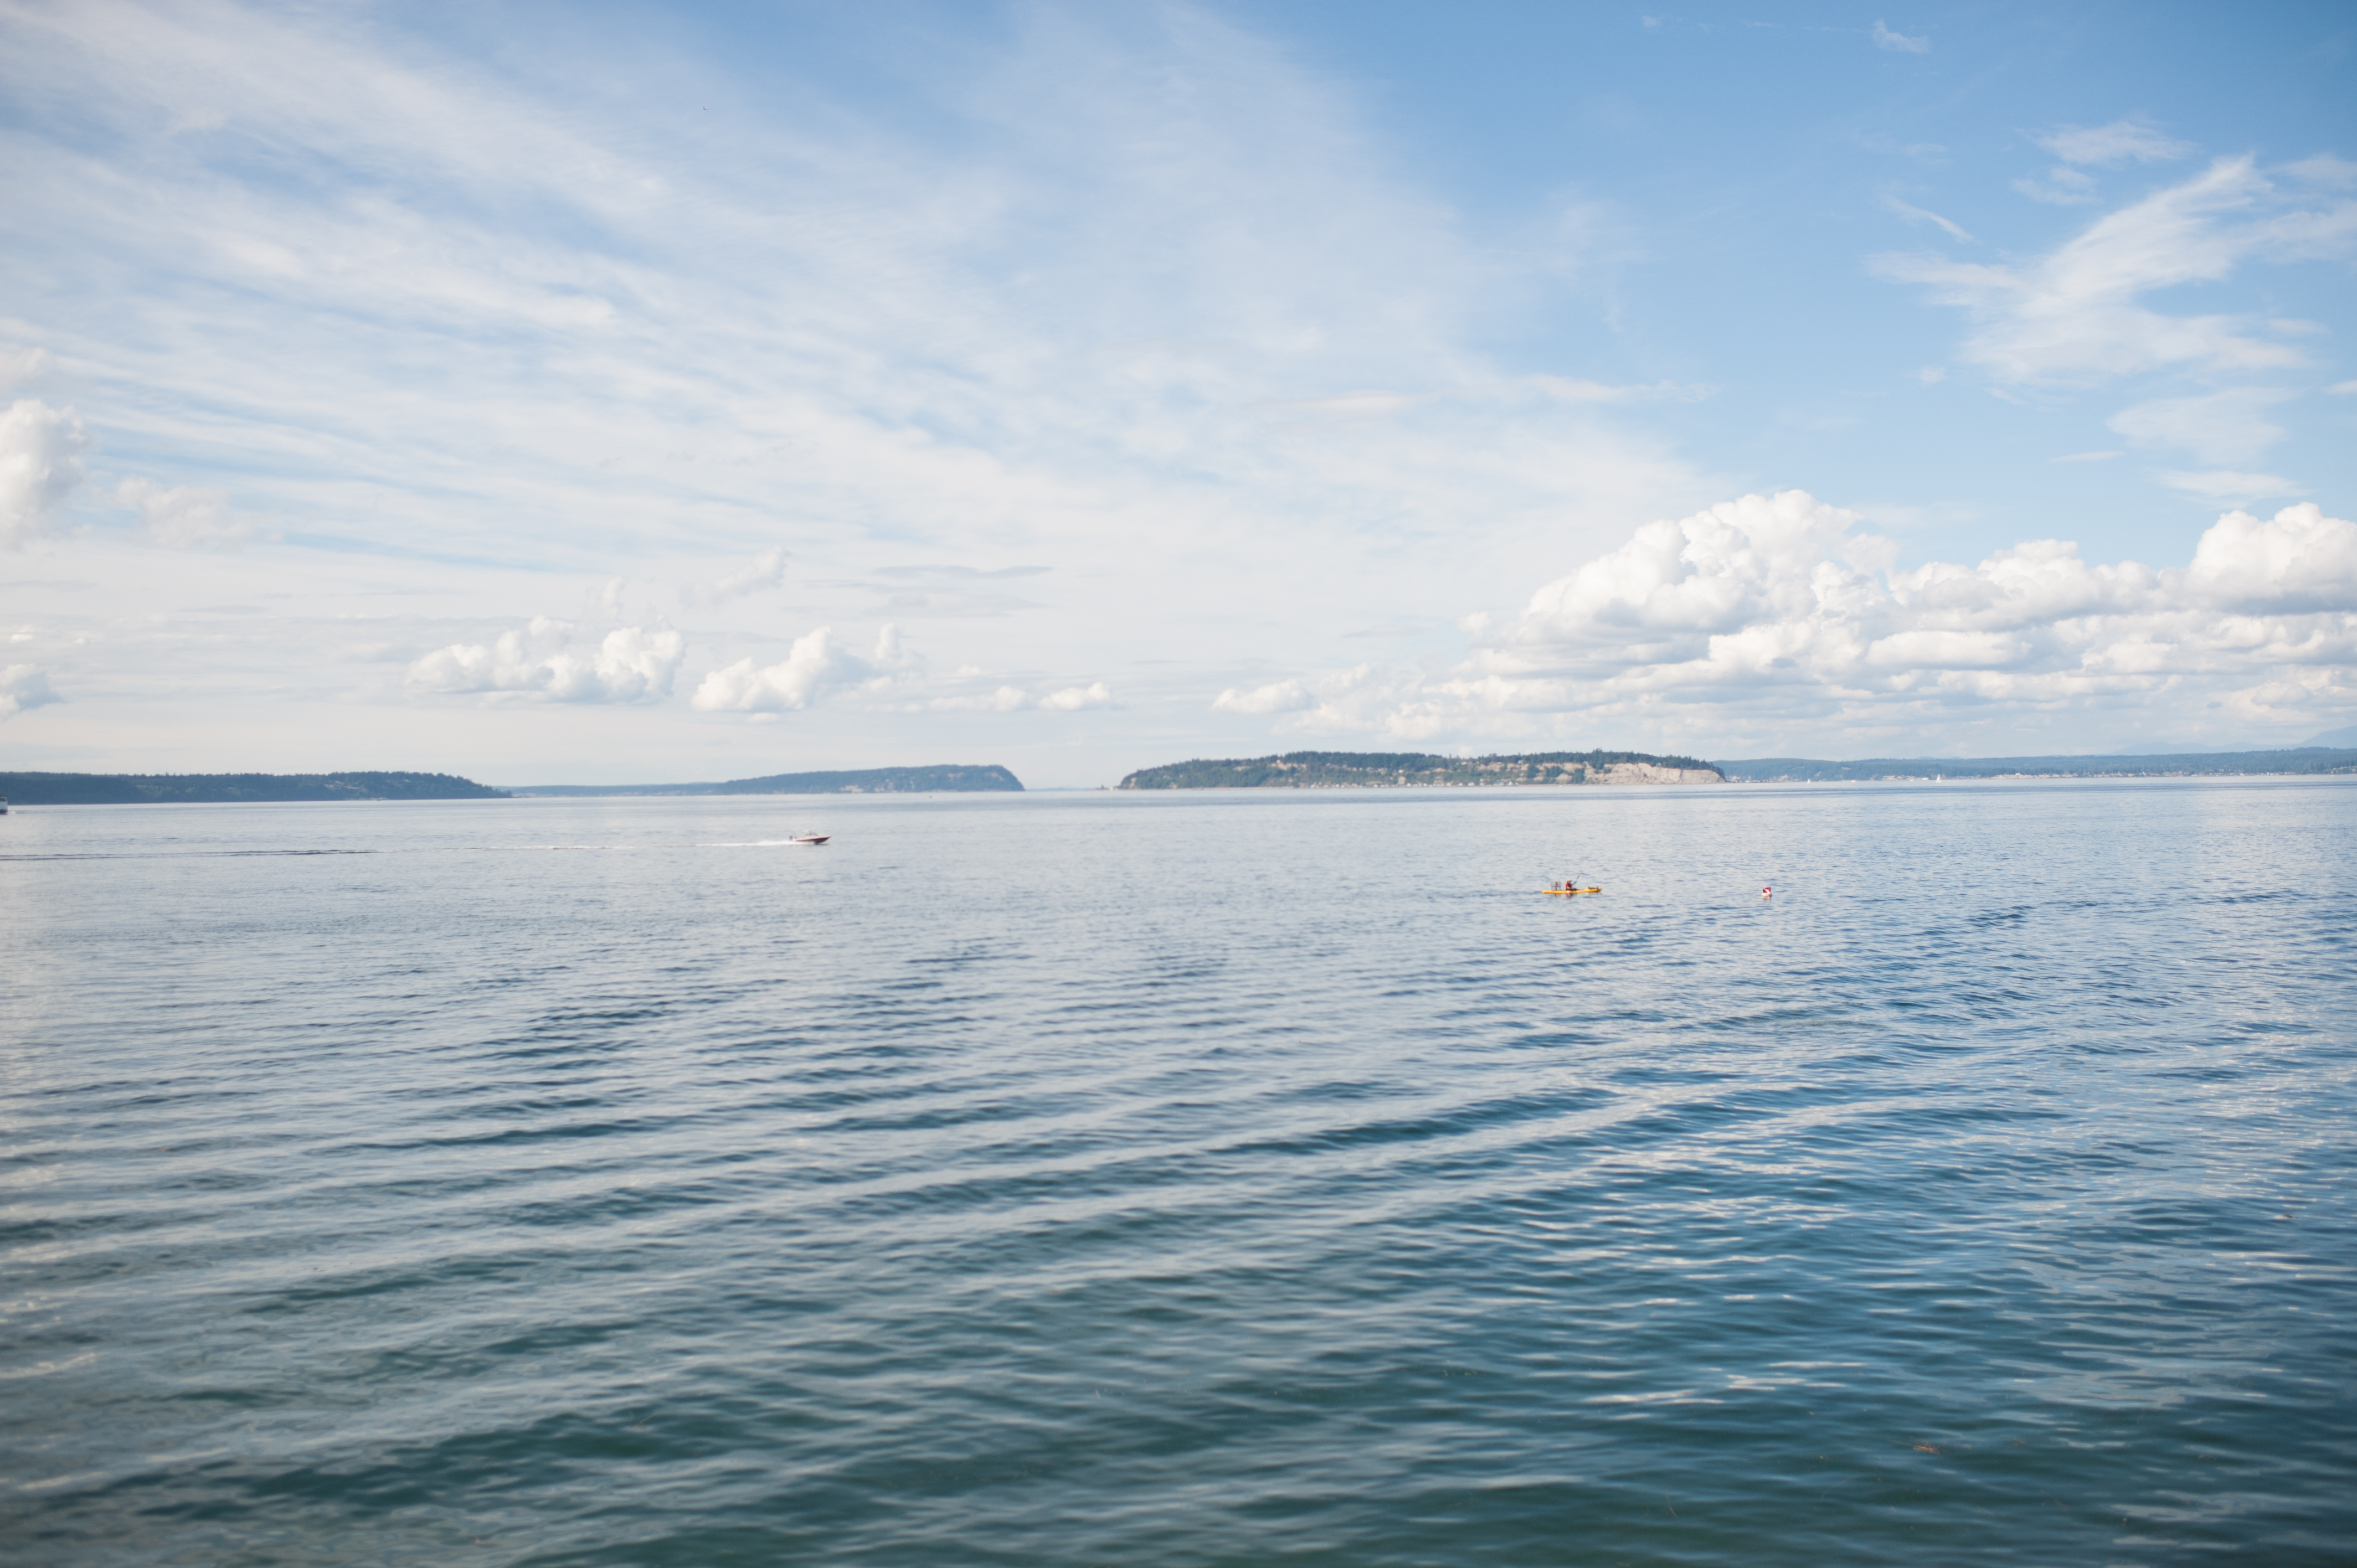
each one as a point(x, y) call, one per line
point(1368, 770)
point(859, 781)
point(2181, 765)
point(145, 788)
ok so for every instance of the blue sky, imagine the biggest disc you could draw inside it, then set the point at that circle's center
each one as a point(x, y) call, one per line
point(622, 394)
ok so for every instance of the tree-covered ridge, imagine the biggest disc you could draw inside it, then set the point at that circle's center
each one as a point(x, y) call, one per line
point(2304, 760)
point(876, 781)
point(141, 789)
point(1335, 769)
point(852, 781)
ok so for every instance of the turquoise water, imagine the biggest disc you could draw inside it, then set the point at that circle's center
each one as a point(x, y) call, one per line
point(1223, 1178)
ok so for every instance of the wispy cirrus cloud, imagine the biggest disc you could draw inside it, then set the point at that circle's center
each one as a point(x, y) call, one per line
point(1884, 39)
point(1113, 296)
point(2122, 141)
point(2229, 487)
point(2079, 313)
point(2102, 146)
point(184, 515)
point(2220, 428)
point(1908, 210)
point(764, 572)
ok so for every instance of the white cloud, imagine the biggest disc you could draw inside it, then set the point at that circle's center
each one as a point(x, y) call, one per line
point(40, 463)
point(766, 570)
point(1005, 700)
point(1277, 697)
point(2222, 427)
point(1772, 610)
point(2059, 188)
point(2342, 389)
point(24, 686)
point(1884, 39)
point(2075, 315)
point(1016, 699)
point(1925, 215)
point(21, 367)
point(184, 515)
point(553, 660)
point(815, 668)
point(2122, 141)
point(2229, 485)
point(1080, 309)
point(2299, 560)
point(1072, 698)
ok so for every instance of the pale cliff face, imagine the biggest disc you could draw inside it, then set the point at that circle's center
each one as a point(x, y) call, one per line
point(1651, 773)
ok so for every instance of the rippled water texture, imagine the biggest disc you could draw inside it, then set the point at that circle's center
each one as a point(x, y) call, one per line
point(1219, 1178)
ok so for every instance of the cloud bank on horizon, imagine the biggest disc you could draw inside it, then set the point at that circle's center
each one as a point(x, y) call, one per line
point(1088, 385)
point(1776, 607)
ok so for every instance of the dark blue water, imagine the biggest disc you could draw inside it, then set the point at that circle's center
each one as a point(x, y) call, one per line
point(1225, 1178)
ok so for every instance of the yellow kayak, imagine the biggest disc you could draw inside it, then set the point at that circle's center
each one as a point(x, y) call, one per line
point(1566, 892)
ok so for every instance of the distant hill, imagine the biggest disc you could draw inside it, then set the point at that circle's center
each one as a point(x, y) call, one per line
point(140, 789)
point(1363, 769)
point(859, 781)
point(2337, 739)
point(2305, 759)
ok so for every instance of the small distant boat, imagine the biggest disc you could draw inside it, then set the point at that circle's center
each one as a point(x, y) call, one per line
point(810, 838)
point(1568, 892)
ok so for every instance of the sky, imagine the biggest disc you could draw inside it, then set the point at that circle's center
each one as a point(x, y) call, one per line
point(611, 393)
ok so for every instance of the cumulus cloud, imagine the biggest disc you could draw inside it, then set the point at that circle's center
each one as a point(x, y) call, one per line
point(1015, 699)
point(1072, 698)
point(815, 668)
point(554, 660)
point(2075, 315)
point(1774, 609)
point(1276, 697)
point(40, 463)
point(184, 515)
point(24, 686)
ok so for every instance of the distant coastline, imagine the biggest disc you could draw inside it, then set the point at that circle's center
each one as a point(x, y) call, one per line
point(1379, 770)
point(1290, 770)
point(152, 789)
point(962, 777)
point(2308, 759)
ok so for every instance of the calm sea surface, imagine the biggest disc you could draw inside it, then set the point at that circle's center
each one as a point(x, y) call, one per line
point(1205, 1178)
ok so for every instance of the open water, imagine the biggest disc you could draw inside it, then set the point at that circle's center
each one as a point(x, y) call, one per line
point(1192, 1179)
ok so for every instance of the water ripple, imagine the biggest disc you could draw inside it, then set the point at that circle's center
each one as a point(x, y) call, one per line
point(1203, 1180)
